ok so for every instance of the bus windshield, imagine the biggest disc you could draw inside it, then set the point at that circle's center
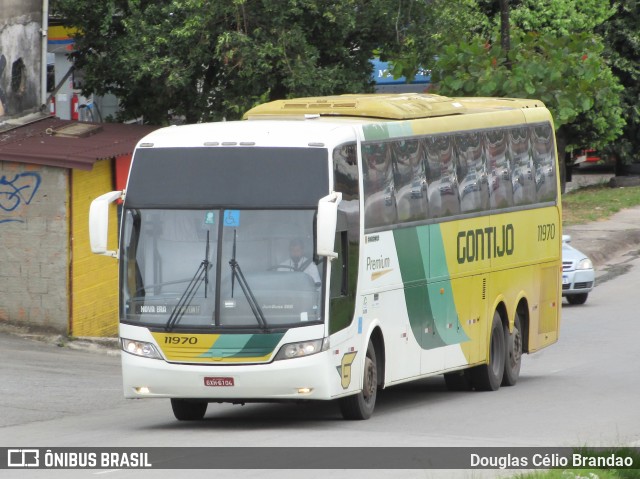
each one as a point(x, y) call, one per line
point(195, 269)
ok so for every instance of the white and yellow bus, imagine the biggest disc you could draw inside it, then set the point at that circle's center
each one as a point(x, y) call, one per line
point(428, 231)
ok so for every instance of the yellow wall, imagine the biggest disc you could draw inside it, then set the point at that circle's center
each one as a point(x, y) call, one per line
point(94, 278)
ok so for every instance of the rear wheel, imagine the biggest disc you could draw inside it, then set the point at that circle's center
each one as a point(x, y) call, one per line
point(487, 377)
point(361, 405)
point(513, 357)
point(458, 381)
point(185, 410)
point(577, 298)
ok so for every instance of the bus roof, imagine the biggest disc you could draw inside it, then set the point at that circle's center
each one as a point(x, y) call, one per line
point(406, 106)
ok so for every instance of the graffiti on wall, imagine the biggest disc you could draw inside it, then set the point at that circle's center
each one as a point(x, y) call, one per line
point(17, 193)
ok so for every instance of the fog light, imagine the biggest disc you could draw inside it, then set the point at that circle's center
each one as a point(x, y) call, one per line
point(304, 390)
point(142, 390)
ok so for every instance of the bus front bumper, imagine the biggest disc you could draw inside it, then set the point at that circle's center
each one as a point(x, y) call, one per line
point(291, 379)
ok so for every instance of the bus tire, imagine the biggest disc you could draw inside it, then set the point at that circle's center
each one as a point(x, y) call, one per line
point(488, 377)
point(458, 381)
point(185, 410)
point(513, 353)
point(360, 406)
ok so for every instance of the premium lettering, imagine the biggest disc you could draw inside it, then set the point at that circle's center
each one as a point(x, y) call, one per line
point(376, 264)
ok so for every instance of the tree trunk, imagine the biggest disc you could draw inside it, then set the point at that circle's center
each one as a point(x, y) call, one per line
point(505, 31)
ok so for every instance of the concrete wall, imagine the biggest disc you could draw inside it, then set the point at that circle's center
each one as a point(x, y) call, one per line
point(34, 252)
point(20, 56)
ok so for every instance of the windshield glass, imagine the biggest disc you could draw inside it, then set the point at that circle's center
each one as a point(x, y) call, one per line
point(186, 269)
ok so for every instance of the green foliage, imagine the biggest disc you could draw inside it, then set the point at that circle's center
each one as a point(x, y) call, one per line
point(622, 39)
point(214, 59)
point(422, 28)
point(560, 18)
point(567, 73)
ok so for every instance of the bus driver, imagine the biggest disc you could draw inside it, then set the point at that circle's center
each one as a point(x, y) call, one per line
point(298, 262)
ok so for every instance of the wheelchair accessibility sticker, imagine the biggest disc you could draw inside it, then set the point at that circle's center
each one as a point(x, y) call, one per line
point(231, 218)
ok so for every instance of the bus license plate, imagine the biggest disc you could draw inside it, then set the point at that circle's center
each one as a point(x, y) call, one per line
point(219, 382)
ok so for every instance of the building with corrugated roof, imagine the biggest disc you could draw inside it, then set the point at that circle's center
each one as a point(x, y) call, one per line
point(50, 171)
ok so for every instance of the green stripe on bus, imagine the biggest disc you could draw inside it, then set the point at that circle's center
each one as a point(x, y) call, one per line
point(428, 304)
point(243, 345)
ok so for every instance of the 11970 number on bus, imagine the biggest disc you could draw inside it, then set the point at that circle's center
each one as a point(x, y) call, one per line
point(546, 232)
point(180, 340)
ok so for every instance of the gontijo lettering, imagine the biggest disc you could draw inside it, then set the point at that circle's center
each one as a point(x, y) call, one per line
point(480, 244)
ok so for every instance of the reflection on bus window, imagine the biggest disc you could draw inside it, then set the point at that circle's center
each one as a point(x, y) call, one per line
point(544, 162)
point(443, 180)
point(379, 188)
point(410, 180)
point(524, 190)
point(499, 165)
point(472, 170)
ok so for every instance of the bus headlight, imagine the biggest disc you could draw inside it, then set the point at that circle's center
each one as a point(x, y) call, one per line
point(585, 264)
point(304, 348)
point(140, 348)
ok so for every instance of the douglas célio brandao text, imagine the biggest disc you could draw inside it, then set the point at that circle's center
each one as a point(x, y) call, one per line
point(546, 460)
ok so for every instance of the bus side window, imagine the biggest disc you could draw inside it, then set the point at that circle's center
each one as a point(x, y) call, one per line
point(410, 180)
point(339, 267)
point(544, 162)
point(379, 188)
point(442, 186)
point(524, 191)
point(499, 165)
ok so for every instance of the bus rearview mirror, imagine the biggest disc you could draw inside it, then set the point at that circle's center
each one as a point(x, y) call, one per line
point(326, 224)
point(99, 223)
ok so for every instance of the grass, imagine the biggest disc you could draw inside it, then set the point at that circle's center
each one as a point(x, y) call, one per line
point(613, 473)
point(570, 474)
point(595, 203)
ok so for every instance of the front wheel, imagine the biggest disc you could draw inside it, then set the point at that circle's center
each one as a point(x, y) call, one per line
point(361, 405)
point(185, 410)
point(488, 377)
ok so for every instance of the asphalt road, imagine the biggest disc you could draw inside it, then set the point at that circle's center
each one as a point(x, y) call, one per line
point(581, 391)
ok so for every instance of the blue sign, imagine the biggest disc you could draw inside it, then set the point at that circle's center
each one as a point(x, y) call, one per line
point(231, 218)
point(382, 76)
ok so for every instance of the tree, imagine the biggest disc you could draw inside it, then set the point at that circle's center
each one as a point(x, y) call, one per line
point(554, 56)
point(214, 59)
point(622, 40)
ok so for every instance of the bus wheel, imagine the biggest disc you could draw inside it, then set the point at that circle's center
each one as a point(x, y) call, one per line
point(487, 377)
point(458, 381)
point(185, 410)
point(360, 406)
point(513, 357)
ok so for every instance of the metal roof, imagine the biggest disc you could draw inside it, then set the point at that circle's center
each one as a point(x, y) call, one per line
point(69, 144)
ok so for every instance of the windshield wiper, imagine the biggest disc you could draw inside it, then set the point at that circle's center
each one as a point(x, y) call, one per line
point(190, 291)
point(236, 272)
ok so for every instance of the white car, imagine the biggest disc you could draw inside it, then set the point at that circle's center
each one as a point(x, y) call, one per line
point(578, 276)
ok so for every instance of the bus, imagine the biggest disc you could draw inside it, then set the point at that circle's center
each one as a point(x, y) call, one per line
point(429, 230)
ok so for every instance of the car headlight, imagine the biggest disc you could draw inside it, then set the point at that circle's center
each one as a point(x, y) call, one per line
point(304, 348)
point(140, 348)
point(585, 264)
